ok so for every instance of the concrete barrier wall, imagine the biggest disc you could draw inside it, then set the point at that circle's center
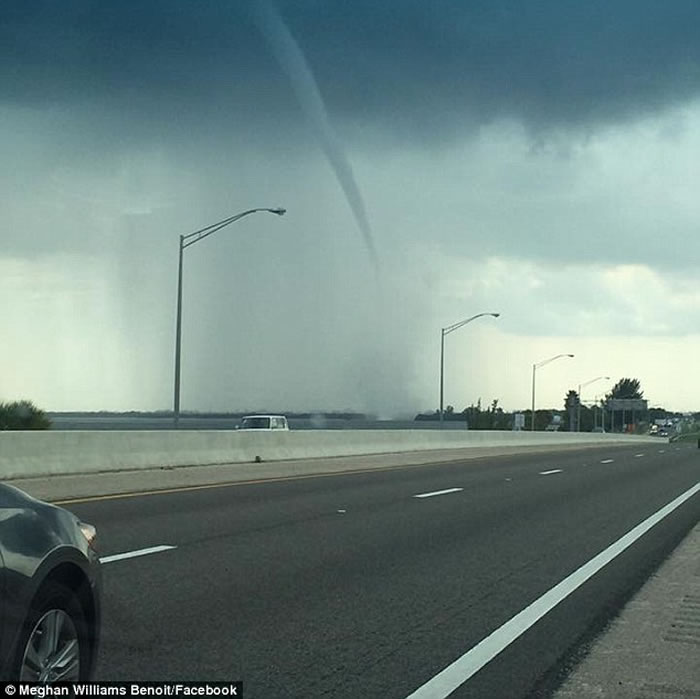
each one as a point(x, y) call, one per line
point(33, 454)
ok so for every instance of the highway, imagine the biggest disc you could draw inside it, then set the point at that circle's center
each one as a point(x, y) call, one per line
point(370, 584)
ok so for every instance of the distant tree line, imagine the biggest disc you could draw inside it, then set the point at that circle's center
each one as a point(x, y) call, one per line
point(476, 418)
point(590, 415)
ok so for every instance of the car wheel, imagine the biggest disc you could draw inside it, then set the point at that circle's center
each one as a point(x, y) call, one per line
point(54, 646)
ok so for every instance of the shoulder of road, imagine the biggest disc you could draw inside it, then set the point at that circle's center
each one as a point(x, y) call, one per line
point(651, 650)
point(61, 488)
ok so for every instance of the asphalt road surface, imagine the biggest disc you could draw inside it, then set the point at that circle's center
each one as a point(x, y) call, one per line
point(353, 586)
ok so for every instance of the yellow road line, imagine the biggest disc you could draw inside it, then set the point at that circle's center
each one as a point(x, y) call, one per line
point(325, 474)
point(230, 484)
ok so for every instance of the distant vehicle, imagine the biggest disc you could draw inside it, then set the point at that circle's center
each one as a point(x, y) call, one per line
point(554, 425)
point(50, 583)
point(599, 430)
point(263, 422)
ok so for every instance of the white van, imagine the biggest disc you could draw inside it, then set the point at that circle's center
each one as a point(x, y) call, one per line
point(263, 422)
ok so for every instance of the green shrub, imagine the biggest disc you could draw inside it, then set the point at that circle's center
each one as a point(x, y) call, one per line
point(22, 415)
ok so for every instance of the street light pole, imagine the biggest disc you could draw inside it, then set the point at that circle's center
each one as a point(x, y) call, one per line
point(535, 367)
point(532, 411)
point(447, 331)
point(185, 242)
point(578, 410)
point(580, 386)
point(178, 335)
point(595, 413)
point(442, 371)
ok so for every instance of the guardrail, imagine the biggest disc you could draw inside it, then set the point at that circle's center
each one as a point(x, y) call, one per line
point(35, 454)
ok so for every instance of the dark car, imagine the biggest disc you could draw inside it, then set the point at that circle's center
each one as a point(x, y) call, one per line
point(49, 592)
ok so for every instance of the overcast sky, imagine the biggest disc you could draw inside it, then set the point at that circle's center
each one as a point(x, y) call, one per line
point(537, 159)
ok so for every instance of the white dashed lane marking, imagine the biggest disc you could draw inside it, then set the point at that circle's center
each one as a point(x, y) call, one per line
point(549, 473)
point(135, 554)
point(438, 492)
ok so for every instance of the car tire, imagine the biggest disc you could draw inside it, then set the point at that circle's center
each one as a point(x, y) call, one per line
point(55, 637)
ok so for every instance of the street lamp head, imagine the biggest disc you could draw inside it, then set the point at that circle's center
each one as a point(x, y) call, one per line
point(279, 211)
point(569, 355)
point(495, 315)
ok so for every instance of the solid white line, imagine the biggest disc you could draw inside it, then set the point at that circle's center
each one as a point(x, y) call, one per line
point(438, 492)
point(607, 461)
point(135, 554)
point(458, 672)
point(554, 470)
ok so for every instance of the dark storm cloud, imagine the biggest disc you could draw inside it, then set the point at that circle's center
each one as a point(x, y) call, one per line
point(427, 69)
